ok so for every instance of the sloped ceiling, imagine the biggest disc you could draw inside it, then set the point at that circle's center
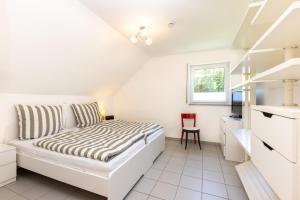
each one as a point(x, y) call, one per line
point(61, 47)
point(199, 24)
point(81, 47)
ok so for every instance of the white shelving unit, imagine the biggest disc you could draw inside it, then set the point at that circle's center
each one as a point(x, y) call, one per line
point(244, 138)
point(270, 11)
point(270, 34)
point(269, 59)
point(284, 32)
point(240, 85)
point(255, 185)
point(247, 34)
point(289, 70)
point(260, 59)
point(286, 111)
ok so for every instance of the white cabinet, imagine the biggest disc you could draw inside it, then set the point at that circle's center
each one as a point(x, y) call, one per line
point(230, 146)
point(274, 129)
point(7, 164)
point(277, 170)
point(275, 147)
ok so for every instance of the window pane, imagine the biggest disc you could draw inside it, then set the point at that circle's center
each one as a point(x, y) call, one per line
point(208, 80)
point(208, 83)
point(209, 97)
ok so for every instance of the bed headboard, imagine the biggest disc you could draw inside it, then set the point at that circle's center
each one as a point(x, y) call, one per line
point(8, 116)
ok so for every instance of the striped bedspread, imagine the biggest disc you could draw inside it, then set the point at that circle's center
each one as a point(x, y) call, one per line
point(99, 142)
point(146, 128)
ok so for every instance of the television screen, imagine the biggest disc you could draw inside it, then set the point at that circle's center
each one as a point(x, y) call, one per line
point(237, 103)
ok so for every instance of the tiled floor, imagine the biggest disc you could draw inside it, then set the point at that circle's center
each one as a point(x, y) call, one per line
point(177, 174)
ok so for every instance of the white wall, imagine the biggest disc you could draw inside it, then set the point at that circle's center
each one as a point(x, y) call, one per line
point(8, 115)
point(3, 36)
point(273, 94)
point(61, 47)
point(157, 92)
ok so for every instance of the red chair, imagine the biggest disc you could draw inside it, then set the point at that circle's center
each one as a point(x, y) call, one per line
point(189, 129)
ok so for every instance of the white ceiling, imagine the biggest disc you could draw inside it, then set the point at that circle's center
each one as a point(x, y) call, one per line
point(62, 47)
point(199, 24)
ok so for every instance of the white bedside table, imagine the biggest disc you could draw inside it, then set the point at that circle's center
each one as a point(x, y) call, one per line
point(8, 166)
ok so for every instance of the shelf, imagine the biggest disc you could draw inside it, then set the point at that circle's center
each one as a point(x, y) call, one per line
point(284, 32)
point(285, 111)
point(284, 71)
point(241, 85)
point(244, 138)
point(270, 11)
point(248, 34)
point(255, 185)
point(259, 60)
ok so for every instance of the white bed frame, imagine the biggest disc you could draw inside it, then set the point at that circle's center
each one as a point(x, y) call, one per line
point(118, 183)
point(115, 186)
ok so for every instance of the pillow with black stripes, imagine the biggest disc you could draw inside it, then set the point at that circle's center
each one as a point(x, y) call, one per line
point(86, 114)
point(37, 121)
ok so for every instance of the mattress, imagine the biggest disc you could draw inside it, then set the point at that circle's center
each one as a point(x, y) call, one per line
point(26, 147)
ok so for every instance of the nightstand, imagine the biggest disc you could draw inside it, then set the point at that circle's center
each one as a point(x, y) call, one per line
point(109, 117)
point(8, 165)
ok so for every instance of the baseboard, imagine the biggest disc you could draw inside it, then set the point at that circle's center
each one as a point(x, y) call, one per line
point(203, 142)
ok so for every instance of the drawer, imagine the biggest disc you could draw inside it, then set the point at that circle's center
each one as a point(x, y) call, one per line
point(7, 157)
point(275, 129)
point(279, 172)
point(8, 172)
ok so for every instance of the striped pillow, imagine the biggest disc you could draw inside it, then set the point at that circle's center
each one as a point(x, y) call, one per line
point(36, 121)
point(86, 114)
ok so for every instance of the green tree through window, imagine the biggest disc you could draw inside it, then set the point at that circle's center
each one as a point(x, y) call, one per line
point(209, 80)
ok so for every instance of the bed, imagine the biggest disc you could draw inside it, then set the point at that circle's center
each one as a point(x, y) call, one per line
point(112, 179)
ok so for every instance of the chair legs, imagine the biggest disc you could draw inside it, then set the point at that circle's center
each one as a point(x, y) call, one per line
point(198, 134)
point(186, 139)
point(187, 135)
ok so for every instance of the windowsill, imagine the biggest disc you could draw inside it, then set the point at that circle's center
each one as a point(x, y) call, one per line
point(208, 104)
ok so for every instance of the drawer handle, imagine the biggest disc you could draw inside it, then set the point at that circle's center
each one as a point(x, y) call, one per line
point(268, 146)
point(268, 115)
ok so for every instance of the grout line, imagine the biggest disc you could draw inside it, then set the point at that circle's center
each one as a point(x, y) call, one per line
point(156, 181)
point(214, 195)
point(202, 173)
point(18, 194)
point(180, 175)
point(224, 178)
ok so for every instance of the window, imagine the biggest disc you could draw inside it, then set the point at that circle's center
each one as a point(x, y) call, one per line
point(208, 84)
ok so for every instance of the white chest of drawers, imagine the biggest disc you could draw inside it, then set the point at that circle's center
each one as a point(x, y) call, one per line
point(275, 148)
point(231, 149)
point(7, 164)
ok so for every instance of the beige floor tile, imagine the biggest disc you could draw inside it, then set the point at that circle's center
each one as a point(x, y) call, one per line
point(153, 173)
point(191, 183)
point(192, 171)
point(164, 191)
point(170, 177)
point(236, 193)
point(213, 176)
point(185, 194)
point(214, 188)
point(133, 195)
point(145, 185)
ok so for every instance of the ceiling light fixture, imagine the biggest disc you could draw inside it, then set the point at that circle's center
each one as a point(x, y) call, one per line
point(142, 35)
point(148, 41)
point(171, 24)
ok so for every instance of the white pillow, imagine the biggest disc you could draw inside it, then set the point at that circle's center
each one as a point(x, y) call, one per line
point(37, 121)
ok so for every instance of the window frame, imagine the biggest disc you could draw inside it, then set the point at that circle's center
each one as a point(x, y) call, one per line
point(189, 91)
